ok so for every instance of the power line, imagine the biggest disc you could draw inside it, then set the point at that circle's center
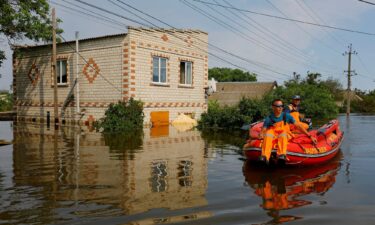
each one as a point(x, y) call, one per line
point(268, 47)
point(363, 64)
point(220, 58)
point(317, 19)
point(107, 11)
point(87, 63)
point(288, 19)
point(235, 30)
point(279, 40)
point(211, 45)
point(307, 32)
point(220, 23)
point(371, 3)
point(213, 55)
point(273, 34)
point(100, 18)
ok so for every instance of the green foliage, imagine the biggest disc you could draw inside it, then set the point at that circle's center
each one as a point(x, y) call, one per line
point(25, 19)
point(124, 145)
point(230, 75)
point(253, 109)
point(365, 106)
point(233, 117)
point(220, 117)
point(122, 117)
point(334, 87)
point(317, 102)
point(6, 102)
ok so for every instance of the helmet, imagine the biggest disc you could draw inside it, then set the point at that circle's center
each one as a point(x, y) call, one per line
point(296, 97)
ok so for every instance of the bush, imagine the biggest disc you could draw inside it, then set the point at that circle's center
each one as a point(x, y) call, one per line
point(253, 109)
point(6, 104)
point(317, 102)
point(220, 117)
point(123, 116)
point(233, 117)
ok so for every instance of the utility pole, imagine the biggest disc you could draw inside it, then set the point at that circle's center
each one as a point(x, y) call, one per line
point(77, 79)
point(55, 102)
point(349, 71)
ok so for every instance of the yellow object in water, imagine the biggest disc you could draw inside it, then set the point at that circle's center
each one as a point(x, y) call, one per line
point(184, 122)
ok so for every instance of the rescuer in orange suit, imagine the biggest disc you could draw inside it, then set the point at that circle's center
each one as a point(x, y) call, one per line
point(293, 109)
point(276, 126)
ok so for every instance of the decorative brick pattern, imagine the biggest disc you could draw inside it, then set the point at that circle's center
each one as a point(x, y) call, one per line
point(124, 61)
point(91, 70)
point(125, 86)
point(33, 74)
point(15, 66)
point(164, 37)
point(132, 66)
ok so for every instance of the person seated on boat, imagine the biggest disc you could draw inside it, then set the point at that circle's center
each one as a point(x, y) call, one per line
point(293, 109)
point(276, 126)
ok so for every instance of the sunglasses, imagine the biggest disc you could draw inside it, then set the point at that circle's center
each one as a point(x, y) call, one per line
point(278, 106)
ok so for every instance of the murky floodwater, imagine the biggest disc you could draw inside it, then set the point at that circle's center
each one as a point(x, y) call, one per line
point(166, 176)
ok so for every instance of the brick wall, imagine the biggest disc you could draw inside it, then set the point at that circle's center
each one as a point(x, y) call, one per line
point(176, 46)
point(99, 78)
point(115, 68)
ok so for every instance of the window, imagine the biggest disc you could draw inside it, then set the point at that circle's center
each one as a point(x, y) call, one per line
point(185, 73)
point(158, 180)
point(185, 173)
point(61, 72)
point(159, 74)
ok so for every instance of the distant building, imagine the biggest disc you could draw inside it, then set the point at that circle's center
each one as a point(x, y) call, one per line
point(167, 69)
point(353, 98)
point(230, 93)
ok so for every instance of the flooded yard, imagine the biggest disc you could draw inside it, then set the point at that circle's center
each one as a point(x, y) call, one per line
point(168, 176)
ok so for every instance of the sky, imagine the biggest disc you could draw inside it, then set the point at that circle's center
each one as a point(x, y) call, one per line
point(271, 47)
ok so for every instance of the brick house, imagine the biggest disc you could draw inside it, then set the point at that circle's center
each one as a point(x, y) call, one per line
point(166, 69)
point(230, 93)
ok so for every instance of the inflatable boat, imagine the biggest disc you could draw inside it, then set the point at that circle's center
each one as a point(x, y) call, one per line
point(301, 150)
point(287, 188)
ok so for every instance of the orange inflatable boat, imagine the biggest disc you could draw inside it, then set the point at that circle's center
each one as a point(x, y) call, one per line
point(301, 150)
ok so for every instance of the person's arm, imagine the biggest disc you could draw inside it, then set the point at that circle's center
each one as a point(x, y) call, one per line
point(262, 132)
point(264, 128)
point(313, 139)
point(287, 109)
point(290, 119)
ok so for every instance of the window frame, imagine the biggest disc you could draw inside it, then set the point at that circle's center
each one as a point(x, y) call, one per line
point(160, 58)
point(186, 63)
point(59, 72)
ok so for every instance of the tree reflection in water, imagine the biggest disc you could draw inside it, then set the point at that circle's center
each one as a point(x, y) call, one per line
point(283, 188)
point(124, 144)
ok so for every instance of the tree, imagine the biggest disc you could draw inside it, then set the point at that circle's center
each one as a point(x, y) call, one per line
point(230, 75)
point(25, 20)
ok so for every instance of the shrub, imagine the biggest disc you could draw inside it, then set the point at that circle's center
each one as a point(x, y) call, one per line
point(6, 104)
point(123, 116)
point(220, 117)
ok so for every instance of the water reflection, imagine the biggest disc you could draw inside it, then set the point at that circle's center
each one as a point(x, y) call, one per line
point(284, 188)
point(83, 174)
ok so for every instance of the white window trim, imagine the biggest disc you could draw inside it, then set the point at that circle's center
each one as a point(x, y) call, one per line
point(191, 74)
point(58, 73)
point(159, 71)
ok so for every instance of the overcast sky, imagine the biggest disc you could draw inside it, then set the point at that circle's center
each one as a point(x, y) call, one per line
point(271, 47)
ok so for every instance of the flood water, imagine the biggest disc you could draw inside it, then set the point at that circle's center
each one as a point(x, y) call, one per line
point(169, 176)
